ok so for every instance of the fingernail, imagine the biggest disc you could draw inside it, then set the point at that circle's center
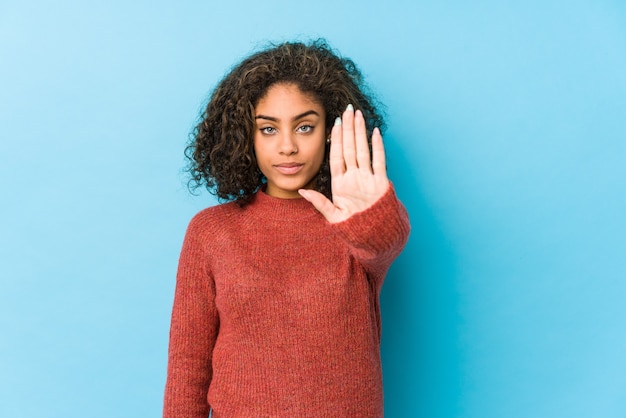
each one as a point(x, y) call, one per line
point(350, 108)
point(338, 121)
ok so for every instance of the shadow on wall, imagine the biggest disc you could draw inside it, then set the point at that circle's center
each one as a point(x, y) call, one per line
point(420, 345)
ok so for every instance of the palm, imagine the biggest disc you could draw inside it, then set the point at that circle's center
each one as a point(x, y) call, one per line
point(357, 181)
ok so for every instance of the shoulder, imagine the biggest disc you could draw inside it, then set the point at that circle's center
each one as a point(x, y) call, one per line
point(208, 222)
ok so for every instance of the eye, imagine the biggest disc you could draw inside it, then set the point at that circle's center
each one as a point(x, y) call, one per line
point(268, 130)
point(305, 129)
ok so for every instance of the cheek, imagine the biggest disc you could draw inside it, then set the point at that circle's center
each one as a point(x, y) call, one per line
point(320, 155)
point(258, 150)
point(255, 144)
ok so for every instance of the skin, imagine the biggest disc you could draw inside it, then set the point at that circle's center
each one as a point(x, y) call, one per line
point(289, 139)
point(289, 144)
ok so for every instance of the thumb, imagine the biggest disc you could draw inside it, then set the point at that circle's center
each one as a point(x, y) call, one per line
point(320, 202)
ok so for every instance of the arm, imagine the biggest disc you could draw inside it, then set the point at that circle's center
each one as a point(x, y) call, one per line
point(192, 333)
point(364, 209)
point(377, 235)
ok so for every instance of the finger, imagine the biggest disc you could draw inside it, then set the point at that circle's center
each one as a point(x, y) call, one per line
point(349, 149)
point(379, 164)
point(335, 155)
point(320, 202)
point(362, 147)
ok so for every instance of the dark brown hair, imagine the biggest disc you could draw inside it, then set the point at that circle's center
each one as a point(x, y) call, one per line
point(221, 151)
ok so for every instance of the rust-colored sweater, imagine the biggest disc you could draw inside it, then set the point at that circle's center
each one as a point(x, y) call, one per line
point(276, 311)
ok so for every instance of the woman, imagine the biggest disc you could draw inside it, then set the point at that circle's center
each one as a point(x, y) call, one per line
point(276, 309)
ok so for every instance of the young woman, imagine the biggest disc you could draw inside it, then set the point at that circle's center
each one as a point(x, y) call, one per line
point(276, 309)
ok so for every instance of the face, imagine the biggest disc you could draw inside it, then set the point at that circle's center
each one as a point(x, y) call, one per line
point(289, 139)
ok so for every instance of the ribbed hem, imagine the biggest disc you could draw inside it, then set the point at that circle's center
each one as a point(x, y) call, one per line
point(376, 228)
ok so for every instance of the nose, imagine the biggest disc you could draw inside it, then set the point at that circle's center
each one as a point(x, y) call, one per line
point(287, 144)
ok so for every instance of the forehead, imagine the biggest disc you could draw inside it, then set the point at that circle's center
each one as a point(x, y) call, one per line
point(287, 98)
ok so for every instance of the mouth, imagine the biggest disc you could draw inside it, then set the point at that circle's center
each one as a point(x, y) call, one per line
point(288, 168)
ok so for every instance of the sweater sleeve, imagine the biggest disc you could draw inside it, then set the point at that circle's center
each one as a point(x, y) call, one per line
point(192, 333)
point(377, 235)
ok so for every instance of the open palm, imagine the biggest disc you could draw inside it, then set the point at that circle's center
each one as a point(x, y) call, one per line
point(357, 180)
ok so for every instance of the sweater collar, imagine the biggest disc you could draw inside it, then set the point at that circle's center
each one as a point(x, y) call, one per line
point(275, 207)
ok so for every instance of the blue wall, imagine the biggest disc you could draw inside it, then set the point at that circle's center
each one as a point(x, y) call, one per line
point(507, 143)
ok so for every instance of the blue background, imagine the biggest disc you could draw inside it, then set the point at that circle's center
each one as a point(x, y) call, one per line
point(506, 143)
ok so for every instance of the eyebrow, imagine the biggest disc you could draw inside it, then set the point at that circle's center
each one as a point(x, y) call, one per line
point(300, 116)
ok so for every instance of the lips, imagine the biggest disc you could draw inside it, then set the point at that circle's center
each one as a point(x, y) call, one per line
point(288, 168)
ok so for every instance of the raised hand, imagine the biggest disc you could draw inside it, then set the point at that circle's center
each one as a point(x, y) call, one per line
point(357, 181)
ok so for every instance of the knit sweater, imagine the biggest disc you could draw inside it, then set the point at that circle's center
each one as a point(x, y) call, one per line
point(276, 311)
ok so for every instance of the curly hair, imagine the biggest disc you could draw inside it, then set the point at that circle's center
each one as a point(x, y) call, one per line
point(221, 151)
